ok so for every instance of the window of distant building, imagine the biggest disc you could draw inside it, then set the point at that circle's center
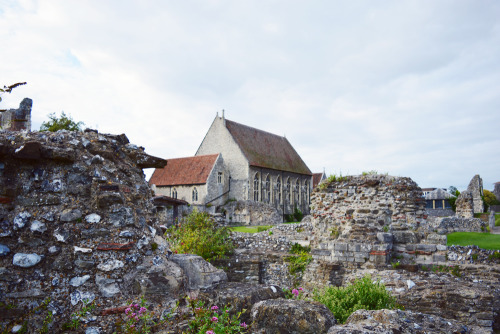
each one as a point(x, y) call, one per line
point(195, 194)
point(296, 193)
point(256, 187)
point(288, 194)
point(219, 177)
point(267, 189)
point(278, 189)
point(174, 193)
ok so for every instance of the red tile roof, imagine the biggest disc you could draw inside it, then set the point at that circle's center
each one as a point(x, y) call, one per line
point(264, 149)
point(184, 171)
point(317, 179)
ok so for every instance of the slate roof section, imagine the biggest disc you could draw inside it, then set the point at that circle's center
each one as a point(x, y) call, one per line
point(267, 150)
point(438, 194)
point(184, 171)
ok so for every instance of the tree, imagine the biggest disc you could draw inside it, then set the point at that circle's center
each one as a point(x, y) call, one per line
point(489, 199)
point(453, 191)
point(62, 122)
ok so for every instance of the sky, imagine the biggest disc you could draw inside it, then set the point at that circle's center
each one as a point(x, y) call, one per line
point(408, 88)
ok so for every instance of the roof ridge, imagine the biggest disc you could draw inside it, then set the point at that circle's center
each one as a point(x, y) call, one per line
point(251, 127)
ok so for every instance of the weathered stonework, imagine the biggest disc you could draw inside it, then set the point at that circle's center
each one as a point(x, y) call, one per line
point(470, 201)
point(17, 119)
point(251, 213)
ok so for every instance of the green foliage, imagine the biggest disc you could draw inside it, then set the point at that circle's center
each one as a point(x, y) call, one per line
point(299, 261)
point(294, 293)
point(454, 270)
point(77, 316)
point(489, 199)
point(371, 172)
point(396, 265)
point(62, 122)
point(494, 256)
point(482, 240)
point(154, 246)
point(250, 229)
point(332, 178)
point(213, 320)
point(453, 191)
point(362, 294)
point(334, 232)
point(199, 234)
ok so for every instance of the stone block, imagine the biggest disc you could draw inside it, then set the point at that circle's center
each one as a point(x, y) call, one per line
point(438, 258)
point(385, 237)
point(200, 273)
point(340, 247)
point(426, 248)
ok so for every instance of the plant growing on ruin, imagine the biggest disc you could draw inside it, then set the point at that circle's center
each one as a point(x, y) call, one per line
point(214, 320)
point(199, 234)
point(77, 316)
point(294, 293)
point(62, 122)
point(297, 263)
point(362, 294)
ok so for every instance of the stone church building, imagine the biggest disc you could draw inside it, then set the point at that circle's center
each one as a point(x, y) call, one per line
point(238, 162)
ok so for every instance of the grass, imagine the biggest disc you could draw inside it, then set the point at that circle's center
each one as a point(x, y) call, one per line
point(250, 229)
point(291, 223)
point(482, 240)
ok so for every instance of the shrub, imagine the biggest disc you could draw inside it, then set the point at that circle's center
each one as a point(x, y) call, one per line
point(297, 214)
point(199, 234)
point(298, 262)
point(362, 294)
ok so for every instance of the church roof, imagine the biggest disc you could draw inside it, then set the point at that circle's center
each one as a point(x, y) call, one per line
point(267, 150)
point(184, 171)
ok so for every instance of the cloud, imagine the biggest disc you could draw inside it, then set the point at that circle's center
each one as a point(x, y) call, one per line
point(405, 87)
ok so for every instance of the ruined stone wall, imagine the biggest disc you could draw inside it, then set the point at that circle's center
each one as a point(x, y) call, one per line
point(363, 219)
point(251, 213)
point(17, 119)
point(77, 223)
point(470, 201)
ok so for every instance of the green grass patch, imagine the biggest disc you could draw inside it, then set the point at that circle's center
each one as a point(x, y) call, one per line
point(482, 240)
point(291, 222)
point(250, 229)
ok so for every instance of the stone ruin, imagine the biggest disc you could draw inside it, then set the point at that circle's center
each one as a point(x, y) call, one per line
point(470, 201)
point(17, 119)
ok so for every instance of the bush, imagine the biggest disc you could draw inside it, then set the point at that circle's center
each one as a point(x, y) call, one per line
point(199, 234)
point(298, 262)
point(362, 294)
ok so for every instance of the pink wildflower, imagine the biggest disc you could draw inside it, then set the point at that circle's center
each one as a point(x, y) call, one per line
point(295, 292)
point(301, 289)
point(215, 319)
point(214, 308)
point(136, 306)
point(127, 310)
point(244, 325)
point(210, 332)
point(142, 310)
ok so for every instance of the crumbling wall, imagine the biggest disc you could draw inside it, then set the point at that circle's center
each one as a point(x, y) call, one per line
point(251, 213)
point(470, 201)
point(365, 218)
point(17, 119)
point(77, 223)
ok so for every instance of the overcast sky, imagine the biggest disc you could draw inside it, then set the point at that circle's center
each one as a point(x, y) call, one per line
point(411, 88)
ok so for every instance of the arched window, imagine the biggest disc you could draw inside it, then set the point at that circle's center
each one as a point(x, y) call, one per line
point(256, 188)
point(296, 193)
point(278, 190)
point(306, 193)
point(174, 193)
point(195, 194)
point(267, 189)
point(288, 191)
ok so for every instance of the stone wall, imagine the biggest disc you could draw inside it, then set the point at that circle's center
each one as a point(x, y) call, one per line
point(251, 213)
point(76, 223)
point(445, 225)
point(470, 201)
point(363, 219)
point(17, 119)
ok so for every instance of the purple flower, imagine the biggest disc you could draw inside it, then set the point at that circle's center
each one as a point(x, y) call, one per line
point(215, 319)
point(301, 289)
point(214, 308)
point(142, 310)
point(136, 306)
point(127, 310)
point(244, 325)
point(210, 332)
point(295, 292)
